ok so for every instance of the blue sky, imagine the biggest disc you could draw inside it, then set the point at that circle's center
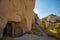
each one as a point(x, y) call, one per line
point(46, 7)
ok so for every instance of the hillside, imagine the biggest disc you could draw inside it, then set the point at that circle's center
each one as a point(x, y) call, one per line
point(51, 24)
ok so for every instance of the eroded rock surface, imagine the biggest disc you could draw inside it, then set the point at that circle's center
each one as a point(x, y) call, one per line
point(17, 11)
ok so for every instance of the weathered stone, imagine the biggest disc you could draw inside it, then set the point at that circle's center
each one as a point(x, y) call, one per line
point(18, 11)
point(13, 29)
point(53, 18)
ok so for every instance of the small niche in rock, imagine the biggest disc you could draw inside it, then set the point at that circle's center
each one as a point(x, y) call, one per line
point(18, 29)
point(8, 30)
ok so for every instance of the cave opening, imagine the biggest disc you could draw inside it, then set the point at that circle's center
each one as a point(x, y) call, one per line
point(8, 30)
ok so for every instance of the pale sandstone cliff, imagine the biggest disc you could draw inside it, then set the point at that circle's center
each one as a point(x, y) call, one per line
point(17, 11)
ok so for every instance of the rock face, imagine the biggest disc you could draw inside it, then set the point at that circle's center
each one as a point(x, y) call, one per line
point(53, 18)
point(17, 11)
point(37, 20)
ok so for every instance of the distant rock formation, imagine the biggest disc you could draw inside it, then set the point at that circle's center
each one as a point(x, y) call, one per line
point(16, 11)
point(52, 18)
point(51, 25)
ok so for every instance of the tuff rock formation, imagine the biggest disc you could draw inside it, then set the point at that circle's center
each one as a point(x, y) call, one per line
point(16, 11)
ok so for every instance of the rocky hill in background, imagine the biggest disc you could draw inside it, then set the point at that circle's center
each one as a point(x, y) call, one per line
point(52, 21)
point(51, 25)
